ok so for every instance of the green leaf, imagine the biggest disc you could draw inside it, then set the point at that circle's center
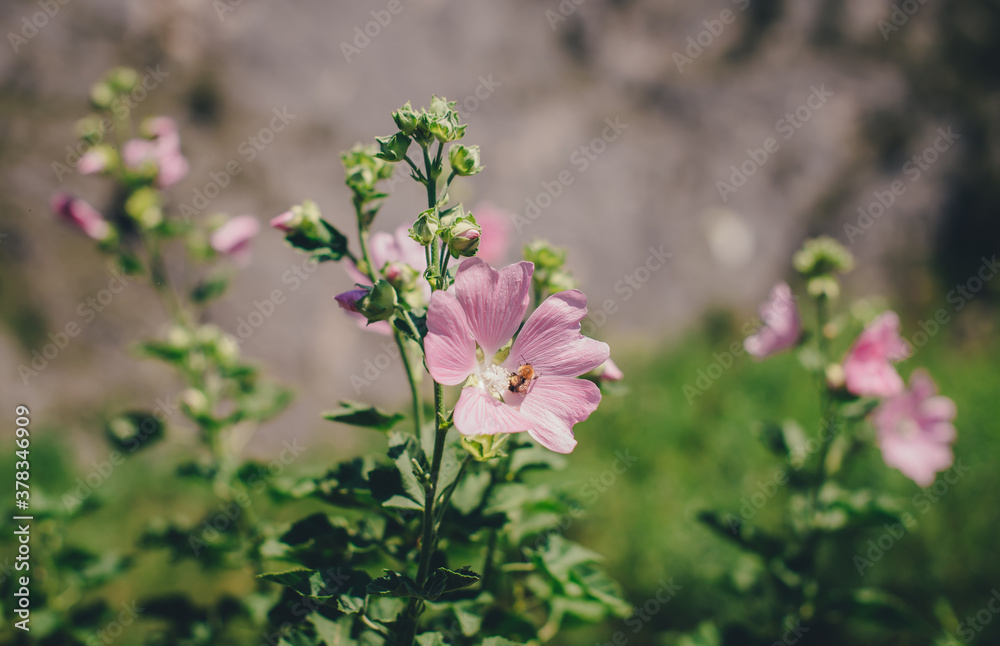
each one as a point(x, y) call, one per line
point(442, 580)
point(501, 641)
point(405, 451)
point(431, 639)
point(314, 584)
point(357, 414)
point(772, 436)
point(535, 456)
point(338, 242)
point(209, 289)
point(402, 502)
point(394, 584)
point(470, 491)
point(333, 633)
point(134, 430)
point(559, 556)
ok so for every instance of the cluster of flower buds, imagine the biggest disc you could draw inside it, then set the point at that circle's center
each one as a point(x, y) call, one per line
point(550, 275)
point(439, 121)
point(818, 262)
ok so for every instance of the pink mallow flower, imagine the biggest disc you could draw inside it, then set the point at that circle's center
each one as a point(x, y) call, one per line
point(609, 371)
point(868, 369)
point(281, 221)
point(163, 151)
point(385, 251)
point(535, 389)
point(81, 215)
point(915, 431)
point(349, 300)
point(782, 326)
point(495, 238)
point(233, 238)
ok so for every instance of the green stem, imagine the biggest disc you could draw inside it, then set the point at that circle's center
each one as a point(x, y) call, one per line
point(418, 415)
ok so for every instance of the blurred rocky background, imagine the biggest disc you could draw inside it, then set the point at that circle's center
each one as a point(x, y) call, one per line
point(737, 128)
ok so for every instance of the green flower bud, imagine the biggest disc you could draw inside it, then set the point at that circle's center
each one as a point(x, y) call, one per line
point(544, 255)
point(123, 79)
point(823, 286)
point(464, 160)
point(102, 95)
point(406, 119)
point(441, 107)
point(560, 281)
point(463, 236)
point(822, 256)
point(485, 447)
point(380, 303)
point(195, 403)
point(393, 149)
point(90, 129)
point(426, 227)
point(143, 206)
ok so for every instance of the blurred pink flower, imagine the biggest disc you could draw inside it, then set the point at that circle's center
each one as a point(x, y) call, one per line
point(495, 224)
point(915, 431)
point(80, 214)
point(163, 150)
point(868, 369)
point(386, 251)
point(485, 307)
point(609, 371)
point(782, 326)
point(233, 238)
point(349, 300)
point(281, 221)
point(93, 161)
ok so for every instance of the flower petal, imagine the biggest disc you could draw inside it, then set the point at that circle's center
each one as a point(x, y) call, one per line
point(449, 346)
point(782, 326)
point(551, 341)
point(478, 413)
point(554, 405)
point(494, 301)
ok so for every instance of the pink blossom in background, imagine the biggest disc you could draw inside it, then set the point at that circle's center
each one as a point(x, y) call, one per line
point(484, 308)
point(782, 326)
point(281, 221)
point(868, 369)
point(609, 371)
point(384, 251)
point(92, 161)
point(495, 238)
point(349, 300)
point(163, 150)
point(915, 430)
point(80, 214)
point(233, 238)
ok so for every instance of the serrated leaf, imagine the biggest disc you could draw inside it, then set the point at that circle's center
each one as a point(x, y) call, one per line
point(394, 584)
point(314, 584)
point(443, 580)
point(402, 502)
point(358, 414)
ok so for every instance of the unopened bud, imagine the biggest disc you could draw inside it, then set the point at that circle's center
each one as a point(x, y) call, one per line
point(464, 160)
point(393, 149)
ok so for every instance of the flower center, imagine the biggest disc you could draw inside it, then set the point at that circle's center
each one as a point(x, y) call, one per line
point(494, 379)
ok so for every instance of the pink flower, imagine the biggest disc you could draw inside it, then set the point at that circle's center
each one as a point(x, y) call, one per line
point(233, 238)
point(609, 371)
point(93, 161)
point(386, 251)
point(495, 224)
point(163, 151)
point(782, 326)
point(282, 221)
point(915, 431)
point(349, 300)
point(535, 388)
point(81, 215)
point(868, 369)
